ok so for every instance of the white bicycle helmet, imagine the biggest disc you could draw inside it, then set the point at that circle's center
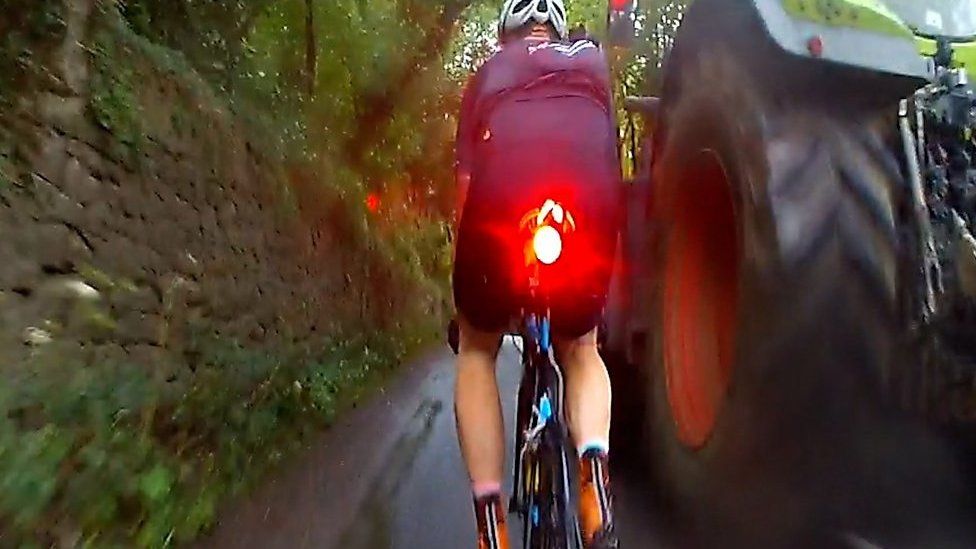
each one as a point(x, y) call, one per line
point(517, 13)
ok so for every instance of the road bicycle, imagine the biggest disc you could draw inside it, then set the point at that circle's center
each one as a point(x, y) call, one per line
point(543, 480)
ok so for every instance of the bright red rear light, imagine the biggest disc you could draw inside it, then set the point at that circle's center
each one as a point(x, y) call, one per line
point(547, 244)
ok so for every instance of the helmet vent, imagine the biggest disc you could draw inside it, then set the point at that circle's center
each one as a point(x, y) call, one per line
point(518, 13)
point(559, 10)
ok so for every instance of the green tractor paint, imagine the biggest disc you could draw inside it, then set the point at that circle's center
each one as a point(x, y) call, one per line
point(859, 33)
point(867, 15)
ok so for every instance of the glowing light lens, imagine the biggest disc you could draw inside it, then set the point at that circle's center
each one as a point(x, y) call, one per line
point(547, 244)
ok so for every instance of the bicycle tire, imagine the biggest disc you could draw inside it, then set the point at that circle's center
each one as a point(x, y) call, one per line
point(542, 474)
point(546, 522)
point(556, 488)
point(530, 537)
point(551, 494)
point(527, 392)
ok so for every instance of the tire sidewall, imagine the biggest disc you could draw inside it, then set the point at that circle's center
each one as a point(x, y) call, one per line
point(720, 112)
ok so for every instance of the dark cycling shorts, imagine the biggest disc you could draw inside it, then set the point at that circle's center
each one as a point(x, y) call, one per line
point(516, 172)
point(489, 293)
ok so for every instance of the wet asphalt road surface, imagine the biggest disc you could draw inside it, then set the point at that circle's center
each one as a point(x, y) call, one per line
point(390, 475)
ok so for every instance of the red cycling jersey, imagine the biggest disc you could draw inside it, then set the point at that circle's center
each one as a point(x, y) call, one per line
point(537, 123)
point(527, 70)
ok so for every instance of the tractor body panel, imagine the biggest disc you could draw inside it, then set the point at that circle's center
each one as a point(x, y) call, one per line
point(858, 33)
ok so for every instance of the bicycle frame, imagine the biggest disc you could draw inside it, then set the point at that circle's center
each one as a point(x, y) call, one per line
point(541, 433)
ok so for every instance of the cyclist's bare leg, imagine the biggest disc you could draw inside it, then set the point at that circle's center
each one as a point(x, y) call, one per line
point(587, 391)
point(478, 408)
point(588, 398)
point(480, 430)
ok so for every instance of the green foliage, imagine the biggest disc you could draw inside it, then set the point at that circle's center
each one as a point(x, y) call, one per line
point(335, 82)
point(113, 102)
point(657, 25)
point(476, 39)
point(210, 33)
point(112, 456)
point(28, 30)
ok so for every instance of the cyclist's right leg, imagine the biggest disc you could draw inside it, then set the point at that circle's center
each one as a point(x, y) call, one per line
point(588, 397)
point(477, 406)
point(484, 297)
point(480, 430)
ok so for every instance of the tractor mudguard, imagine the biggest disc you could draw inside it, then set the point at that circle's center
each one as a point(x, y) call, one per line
point(858, 33)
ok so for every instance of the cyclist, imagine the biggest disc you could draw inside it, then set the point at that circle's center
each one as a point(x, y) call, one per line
point(536, 122)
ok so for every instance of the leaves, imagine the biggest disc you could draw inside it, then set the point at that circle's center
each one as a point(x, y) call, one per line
point(340, 82)
point(29, 30)
point(112, 462)
point(29, 465)
point(156, 484)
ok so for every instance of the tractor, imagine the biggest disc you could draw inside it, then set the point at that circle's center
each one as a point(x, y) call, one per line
point(792, 322)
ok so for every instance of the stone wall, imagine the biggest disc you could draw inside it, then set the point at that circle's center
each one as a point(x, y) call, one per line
point(133, 242)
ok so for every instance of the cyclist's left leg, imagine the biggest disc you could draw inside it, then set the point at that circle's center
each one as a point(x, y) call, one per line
point(588, 396)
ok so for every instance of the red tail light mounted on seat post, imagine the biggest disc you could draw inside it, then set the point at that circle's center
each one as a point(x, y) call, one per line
point(544, 229)
point(547, 244)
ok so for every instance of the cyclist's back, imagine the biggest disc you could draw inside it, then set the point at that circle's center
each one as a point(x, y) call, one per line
point(537, 123)
point(536, 109)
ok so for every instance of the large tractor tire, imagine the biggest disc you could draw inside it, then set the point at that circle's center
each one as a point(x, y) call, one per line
point(776, 325)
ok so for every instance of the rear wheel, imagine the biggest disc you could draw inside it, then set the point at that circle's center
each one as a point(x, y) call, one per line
point(776, 324)
point(548, 520)
point(543, 481)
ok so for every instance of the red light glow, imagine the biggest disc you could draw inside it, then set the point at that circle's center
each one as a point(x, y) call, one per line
point(547, 244)
point(372, 202)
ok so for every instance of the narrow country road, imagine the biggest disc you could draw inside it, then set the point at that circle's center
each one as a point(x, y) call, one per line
point(390, 475)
